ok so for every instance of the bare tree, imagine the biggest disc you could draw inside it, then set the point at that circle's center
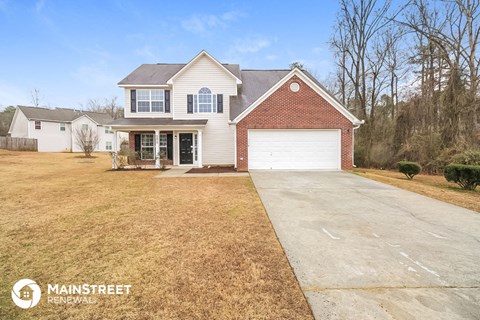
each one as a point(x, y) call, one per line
point(452, 35)
point(108, 105)
point(86, 139)
point(35, 97)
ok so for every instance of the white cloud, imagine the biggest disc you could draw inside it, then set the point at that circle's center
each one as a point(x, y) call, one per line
point(250, 45)
point(204, 24)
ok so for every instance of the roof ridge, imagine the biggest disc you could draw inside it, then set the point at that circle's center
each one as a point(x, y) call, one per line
point(44, 108)
point(265, 70)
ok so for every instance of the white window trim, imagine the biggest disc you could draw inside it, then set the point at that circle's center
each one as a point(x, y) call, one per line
point(108, 145)
point(150, 101)
point(62, 127)
point(163, 147)
point(39, 125)
point(149, 147)
point(213, 103)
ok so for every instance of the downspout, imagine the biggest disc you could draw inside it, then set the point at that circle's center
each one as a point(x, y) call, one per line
point(230, 122)
point(353, 142)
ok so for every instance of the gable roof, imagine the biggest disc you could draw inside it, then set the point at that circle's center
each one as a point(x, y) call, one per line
point(63, 114)
point(198, 56)
point(161, 73)
point(309, 80)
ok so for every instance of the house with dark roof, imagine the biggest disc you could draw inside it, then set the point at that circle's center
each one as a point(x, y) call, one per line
point(205, 112)
point(55, 129)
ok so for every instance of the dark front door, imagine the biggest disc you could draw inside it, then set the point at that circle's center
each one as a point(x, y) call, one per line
point(186, 155)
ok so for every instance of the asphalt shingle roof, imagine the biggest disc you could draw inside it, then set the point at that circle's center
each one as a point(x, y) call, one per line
point(254, 84)
point(158, 74)
point(63, 114)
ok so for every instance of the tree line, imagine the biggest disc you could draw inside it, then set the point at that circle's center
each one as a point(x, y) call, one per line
point(412, 73)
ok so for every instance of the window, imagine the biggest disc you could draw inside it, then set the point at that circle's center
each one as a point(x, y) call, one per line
point(195, 141)
point(62, 126)
point(108, 145)
point(163, 146)
point(84, 127)
point(147, 149)
point(108, 130)
point(150, 100)
point(38, 125)
point(204, 101)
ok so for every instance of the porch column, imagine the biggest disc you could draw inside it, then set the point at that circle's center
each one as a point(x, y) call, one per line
point(114, 150)
point(199, 148)
point(157, 149)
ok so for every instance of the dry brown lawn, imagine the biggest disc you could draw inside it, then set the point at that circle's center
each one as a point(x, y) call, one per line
point(431, 186)
point(192, 248)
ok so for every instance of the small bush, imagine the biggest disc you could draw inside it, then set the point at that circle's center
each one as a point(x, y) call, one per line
point(466, 176)
point(409, 169)
point(469, 157)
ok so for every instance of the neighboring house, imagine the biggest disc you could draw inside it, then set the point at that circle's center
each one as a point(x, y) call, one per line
point(55, 129)
point(208, 113)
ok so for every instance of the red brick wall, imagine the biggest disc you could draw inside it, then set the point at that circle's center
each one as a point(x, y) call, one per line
point(285, 109)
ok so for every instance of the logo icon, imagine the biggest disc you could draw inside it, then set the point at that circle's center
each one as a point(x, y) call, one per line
point(26, 293)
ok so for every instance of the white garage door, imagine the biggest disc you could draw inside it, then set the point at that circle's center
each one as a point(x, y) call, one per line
point(294, 149)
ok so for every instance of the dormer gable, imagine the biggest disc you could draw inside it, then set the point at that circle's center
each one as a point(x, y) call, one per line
point(197, 58)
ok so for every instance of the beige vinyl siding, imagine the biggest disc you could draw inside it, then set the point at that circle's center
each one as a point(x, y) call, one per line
point(218, 135)
point(129, 114)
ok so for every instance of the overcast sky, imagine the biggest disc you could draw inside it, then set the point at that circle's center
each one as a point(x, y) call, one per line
point(75, 50)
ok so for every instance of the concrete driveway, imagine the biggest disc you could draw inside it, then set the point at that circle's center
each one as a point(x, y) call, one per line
point(365, 250)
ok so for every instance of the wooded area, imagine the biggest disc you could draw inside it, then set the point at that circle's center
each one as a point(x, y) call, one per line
point(412, 74)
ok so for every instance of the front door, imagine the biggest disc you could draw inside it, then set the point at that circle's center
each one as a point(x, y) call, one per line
point(186, 148)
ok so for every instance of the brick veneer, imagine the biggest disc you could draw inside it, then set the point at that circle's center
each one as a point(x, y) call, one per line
point(285, 109)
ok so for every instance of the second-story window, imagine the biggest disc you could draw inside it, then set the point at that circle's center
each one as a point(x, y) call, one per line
point(204, 101)
point(150, 100)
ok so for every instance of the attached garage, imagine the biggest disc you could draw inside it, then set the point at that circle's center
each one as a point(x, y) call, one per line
point(294, 149)
point(295, 125)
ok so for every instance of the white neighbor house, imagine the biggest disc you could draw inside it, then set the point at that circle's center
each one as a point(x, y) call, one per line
point(55, 128)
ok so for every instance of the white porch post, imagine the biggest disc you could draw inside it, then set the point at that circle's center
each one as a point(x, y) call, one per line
point(157, 148)
point(114, 150)
point(199, 148)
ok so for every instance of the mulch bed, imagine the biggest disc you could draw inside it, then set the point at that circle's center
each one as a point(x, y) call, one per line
point(212, 170)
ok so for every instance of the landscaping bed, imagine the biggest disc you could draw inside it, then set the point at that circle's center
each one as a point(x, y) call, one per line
point(216, 169)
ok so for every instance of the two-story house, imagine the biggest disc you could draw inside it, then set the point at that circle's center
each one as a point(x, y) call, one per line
point(208, 113)
point(55, 129)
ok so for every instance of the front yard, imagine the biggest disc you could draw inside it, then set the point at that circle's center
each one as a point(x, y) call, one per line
point(431, 186)
point(192, 248)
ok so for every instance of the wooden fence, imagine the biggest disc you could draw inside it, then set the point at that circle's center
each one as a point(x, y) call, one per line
point(18, 144)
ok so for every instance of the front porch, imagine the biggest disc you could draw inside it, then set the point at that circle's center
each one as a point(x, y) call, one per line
point(161, 142)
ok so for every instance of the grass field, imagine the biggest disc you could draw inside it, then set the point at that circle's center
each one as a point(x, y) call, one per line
point(192, 248)
point(428, 185)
